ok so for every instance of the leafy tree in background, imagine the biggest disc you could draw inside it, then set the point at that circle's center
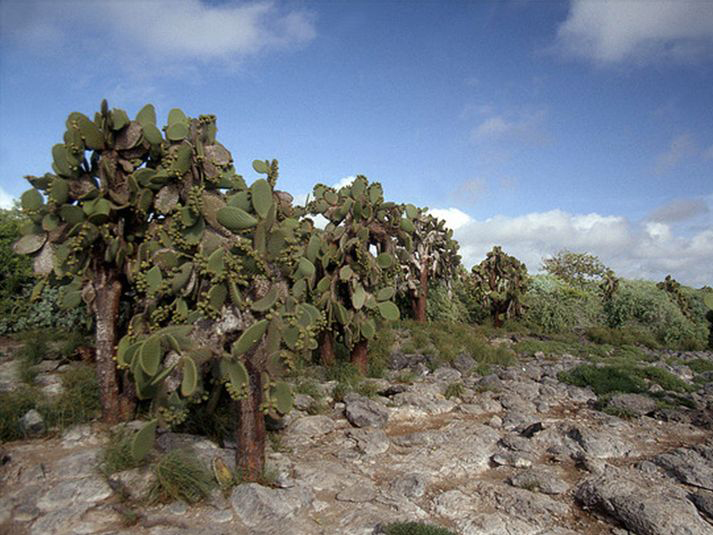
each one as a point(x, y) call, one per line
point(17, 269)
point(576, 269)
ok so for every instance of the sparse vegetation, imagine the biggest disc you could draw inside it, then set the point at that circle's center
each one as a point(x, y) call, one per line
point(414, 528)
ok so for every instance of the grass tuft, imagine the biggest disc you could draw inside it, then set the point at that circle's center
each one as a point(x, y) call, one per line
point(180, 477)
point(116, 455)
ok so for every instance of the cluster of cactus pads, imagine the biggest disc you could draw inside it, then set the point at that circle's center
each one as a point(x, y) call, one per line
point(501, 281)
point(354, 280)
point(213, 265)
point(434, 256)
point(673, 288)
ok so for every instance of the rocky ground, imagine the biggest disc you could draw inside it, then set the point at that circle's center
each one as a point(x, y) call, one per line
point(515, 452)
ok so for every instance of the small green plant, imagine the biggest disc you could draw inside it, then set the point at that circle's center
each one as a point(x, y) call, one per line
point(414, 528)
point(454, 390)
point(116, 455)
point(180, 477)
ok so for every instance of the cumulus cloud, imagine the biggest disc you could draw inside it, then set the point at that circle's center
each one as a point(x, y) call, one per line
point(162, 30)
point(679, 210)
point(647, 249)
point(682, 146)
point(453, 217)
point(6, 200)
point(523, 127)
point(612, 31)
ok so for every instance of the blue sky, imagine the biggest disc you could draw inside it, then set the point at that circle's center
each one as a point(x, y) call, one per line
point(585, 125)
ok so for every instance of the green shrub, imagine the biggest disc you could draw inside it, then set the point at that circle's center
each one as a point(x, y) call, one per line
point(552, 306)
point(445, 304)
point(380, 348)
point(179, 476)
point(628, 335)
point(414, 528)
point(642, 305)
point(44, 313)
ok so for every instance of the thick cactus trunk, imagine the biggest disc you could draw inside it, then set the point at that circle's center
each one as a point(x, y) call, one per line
point(250, 428)
point(107, 286)
point(326, 348)
point(421, 297)
point(360, 356)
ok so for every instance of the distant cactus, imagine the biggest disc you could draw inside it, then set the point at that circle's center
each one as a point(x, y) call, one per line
point(353, 264)
point(212, 265)
point(609, 285)
point(501, 281)
point(434, 256)
point(673, 288)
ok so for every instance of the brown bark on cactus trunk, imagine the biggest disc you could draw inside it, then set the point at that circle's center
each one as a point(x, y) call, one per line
point(421, 298)
point(250, 428)
point(326, 348)
point(107, 286)
point(360, 356)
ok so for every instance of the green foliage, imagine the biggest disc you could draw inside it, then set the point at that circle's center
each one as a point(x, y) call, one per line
point(45, 312)
point(179, 476)
point(555, 307)
point(380, 349)
point(445, 304)
point(641, 304)
point(414, 528)
point(501, 281)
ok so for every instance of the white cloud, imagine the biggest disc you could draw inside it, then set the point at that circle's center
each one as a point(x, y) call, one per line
point(160, 30)
point(524, 127)
point(347, 180)
point(681, 147)
point(611, 31)
point(648, 250)
point(453, 217)
point(6, 200)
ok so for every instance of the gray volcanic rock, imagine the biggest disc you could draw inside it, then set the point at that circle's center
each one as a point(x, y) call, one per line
point(643, 506)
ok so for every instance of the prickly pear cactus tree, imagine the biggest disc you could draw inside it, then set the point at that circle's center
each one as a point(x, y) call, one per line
point(433, 256)
point(673, 288)
point(208, 262)
point(609, 285)
point(501, 281)
point(353, 264)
